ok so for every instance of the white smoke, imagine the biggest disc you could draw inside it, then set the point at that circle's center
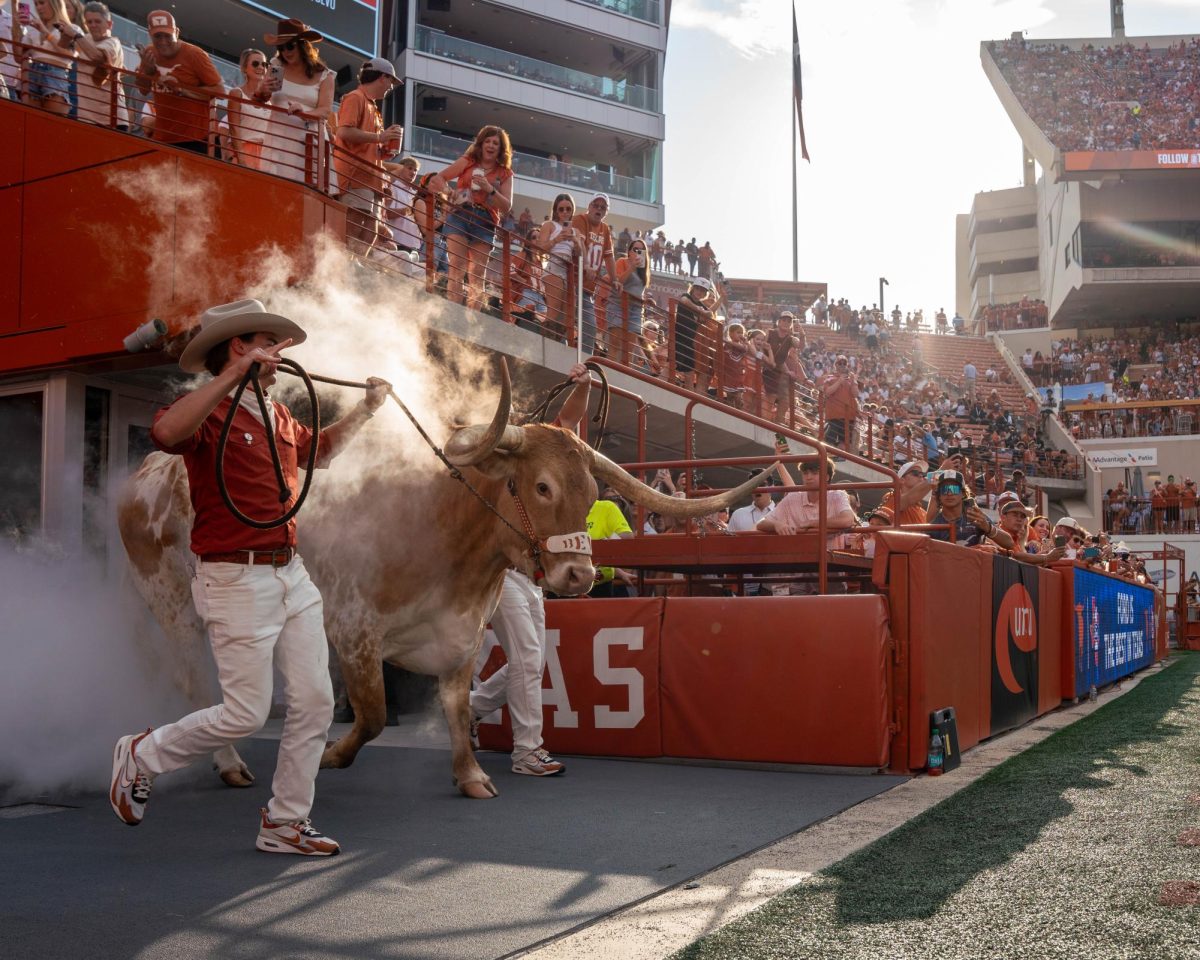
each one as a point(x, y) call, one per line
point(76, 675)
point(83, 660)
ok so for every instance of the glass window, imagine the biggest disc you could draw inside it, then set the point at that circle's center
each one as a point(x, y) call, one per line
point(21, 418)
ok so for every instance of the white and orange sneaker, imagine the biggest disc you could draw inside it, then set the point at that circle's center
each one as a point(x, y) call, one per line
point(537, 763)
point(130, 788)
point(296, 836)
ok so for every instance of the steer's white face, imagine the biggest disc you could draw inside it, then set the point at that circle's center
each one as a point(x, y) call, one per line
point(556, 486)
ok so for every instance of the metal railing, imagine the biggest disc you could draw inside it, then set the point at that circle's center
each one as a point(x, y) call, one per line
point(443, 146)
point(439, 44)
point(647, 10)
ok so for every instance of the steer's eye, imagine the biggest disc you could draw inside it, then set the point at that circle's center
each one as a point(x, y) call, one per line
point(543, 490)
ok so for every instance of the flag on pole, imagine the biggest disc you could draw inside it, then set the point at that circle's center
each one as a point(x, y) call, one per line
point(797, 85)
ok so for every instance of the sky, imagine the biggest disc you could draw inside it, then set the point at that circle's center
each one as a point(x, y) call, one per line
point(902, 126)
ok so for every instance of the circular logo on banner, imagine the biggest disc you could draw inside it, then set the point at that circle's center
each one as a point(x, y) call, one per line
point(1017, 620)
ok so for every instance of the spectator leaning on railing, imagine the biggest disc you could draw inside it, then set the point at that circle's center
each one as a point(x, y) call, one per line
point(47, 83)
point(101, 74)
point(561, 243)
point(11, 31)
point(358, 157)
point(482, 194)
point(183, 80)
point(302, 86)
point(597, 243)
point(249, 119)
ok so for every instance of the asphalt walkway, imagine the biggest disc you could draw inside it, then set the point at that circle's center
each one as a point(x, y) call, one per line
point(425, 873)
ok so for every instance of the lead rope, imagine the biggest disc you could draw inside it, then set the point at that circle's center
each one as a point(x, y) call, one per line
point(539, 413)
point(293, 368)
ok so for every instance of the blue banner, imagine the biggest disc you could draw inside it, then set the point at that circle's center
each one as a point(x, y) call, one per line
point(1114, 629)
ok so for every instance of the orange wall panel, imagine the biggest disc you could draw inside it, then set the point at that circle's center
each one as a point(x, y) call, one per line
point(776, 679)
point(103, 231)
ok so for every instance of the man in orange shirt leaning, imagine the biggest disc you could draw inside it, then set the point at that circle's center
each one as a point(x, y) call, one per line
point(183, 79)
point(914, 491)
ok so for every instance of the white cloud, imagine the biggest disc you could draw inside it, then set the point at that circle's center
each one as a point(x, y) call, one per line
point(751, 27)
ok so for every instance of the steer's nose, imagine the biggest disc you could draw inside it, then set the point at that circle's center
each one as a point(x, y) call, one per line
point(580, 577)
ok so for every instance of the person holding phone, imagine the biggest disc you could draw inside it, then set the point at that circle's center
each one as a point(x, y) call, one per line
point(47, 84)
point(1073, 537)
point(1014, 520)
point(13, 28)
point(251, 587)
point(956, 507)
point(297, 81)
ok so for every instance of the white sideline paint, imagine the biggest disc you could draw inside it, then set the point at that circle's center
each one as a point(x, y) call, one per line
point(660, 925)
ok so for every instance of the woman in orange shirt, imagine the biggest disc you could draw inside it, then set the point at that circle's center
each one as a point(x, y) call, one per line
point(482, 195)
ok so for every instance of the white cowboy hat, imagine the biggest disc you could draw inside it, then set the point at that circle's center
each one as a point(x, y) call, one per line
point(227, 320)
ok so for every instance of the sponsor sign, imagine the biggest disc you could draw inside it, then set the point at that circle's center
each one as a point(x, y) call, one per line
point(1137, 457)
point(1074, 392)
point(1084, 160)
point(1014, 643)
point(353, 24)
point(1115, 624)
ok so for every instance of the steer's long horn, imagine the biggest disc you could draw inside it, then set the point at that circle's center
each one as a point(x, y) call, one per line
point(634, 490)
point(469, 445)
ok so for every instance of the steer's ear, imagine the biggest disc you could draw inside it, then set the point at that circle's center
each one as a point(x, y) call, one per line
point(498, 465)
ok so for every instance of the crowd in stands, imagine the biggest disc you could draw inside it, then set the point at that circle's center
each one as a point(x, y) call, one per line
point(1170, 508)
point(1162, 365)
point(456, 227)
point(1117, 97)
point(1021, 315)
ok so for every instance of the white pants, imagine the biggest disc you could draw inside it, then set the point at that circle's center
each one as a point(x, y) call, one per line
point(256, 614)
point(520, 625)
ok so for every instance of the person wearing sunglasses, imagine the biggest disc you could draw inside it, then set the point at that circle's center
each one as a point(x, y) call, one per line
point(183, 79)
point(561, 242)
point(249, 118)
point(303, 86)
point(1073, 533)
point(971, 525)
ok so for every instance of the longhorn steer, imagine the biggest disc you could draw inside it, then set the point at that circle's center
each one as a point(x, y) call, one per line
point(410, 567)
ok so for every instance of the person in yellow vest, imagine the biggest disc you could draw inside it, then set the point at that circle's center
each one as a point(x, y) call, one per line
point(604, 522)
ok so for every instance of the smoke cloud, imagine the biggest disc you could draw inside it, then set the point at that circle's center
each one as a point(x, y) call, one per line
point(82, 666)
point(84, 660)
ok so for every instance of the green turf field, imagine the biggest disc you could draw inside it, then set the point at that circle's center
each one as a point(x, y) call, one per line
point(1062, 851)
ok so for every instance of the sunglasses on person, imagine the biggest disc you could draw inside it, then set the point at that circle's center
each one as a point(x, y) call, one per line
point(257, 64)
point(950, 488)
point(290, 45)
point(565, 206)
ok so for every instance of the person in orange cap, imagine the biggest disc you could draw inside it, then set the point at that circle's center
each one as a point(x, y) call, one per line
point(183, 80)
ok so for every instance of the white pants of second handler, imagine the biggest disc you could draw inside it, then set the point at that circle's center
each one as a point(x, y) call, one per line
point(520, 625)
point(255, 615)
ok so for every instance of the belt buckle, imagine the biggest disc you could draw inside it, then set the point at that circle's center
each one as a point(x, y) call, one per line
point(281, 557)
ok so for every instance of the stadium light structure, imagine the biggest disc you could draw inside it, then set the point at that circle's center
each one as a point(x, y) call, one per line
point(882, 283)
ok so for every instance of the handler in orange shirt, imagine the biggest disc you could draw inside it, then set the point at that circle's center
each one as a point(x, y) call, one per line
point(251, 588)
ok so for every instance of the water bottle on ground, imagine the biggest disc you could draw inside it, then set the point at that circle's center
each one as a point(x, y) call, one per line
point(937, 754)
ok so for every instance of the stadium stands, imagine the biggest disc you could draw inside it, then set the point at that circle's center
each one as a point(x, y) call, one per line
point(1116, 97)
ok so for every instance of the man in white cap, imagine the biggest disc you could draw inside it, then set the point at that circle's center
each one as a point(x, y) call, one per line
point(362, 141)
point(1075, 536)
point(251, 588)
point(597, 254)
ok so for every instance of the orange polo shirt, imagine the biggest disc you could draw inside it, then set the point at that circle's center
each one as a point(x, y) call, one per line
point(249, 477)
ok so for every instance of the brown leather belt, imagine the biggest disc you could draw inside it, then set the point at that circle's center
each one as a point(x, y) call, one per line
point(279, 557)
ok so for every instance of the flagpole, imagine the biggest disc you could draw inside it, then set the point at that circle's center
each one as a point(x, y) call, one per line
point(795, 204)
